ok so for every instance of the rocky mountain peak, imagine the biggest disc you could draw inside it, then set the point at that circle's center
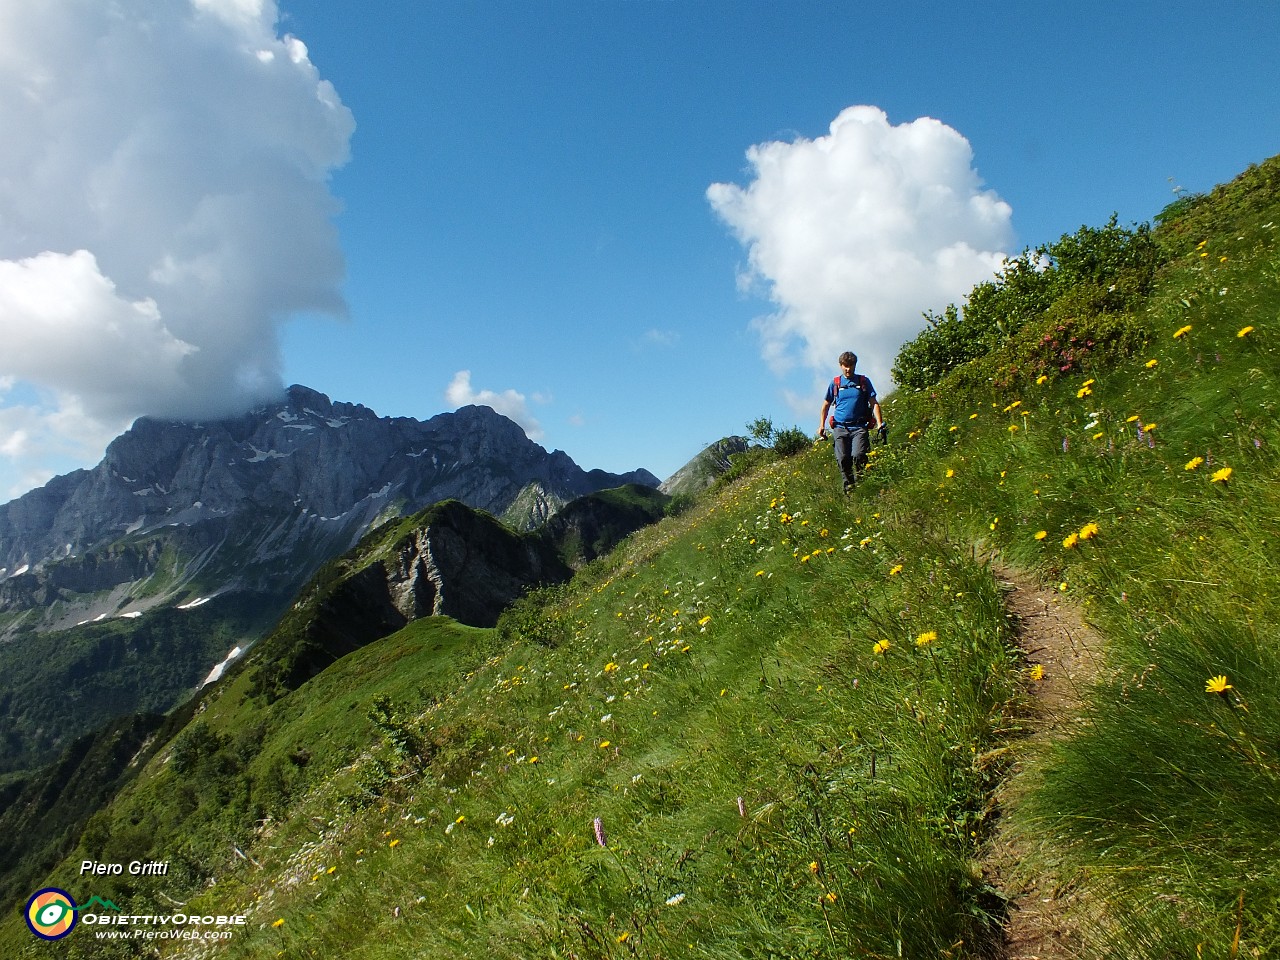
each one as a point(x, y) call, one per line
point(267, 496)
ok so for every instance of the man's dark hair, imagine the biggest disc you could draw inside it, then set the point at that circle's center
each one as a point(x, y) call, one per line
point(849, 359)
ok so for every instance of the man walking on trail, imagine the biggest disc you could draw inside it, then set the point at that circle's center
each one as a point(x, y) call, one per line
point(851, 400)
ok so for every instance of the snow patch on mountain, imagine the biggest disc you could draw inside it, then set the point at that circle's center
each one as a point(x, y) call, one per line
point(216, 673)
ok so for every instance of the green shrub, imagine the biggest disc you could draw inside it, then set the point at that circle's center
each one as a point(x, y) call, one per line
point(1100, 270)
point(792, 440)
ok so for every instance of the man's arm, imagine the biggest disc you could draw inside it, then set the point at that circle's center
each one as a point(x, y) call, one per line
point(822, 419)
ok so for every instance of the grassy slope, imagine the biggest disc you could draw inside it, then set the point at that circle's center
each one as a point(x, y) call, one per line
point(773, 780)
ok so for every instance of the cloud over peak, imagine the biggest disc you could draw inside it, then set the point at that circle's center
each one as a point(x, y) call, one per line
point(164, 205)
point(854, 234)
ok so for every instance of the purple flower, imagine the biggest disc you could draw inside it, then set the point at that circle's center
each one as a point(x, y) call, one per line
point(598, 827)
point(1064, 444)
point(742, 808)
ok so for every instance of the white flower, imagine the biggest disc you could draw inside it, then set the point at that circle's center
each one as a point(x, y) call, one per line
point(676, 900)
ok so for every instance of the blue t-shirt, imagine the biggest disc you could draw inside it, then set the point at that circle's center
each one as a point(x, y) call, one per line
point(852, 403)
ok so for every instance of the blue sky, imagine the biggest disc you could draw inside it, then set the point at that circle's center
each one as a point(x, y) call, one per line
point(413, 204)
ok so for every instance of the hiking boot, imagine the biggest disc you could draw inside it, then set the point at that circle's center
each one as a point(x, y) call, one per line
point(849, 485)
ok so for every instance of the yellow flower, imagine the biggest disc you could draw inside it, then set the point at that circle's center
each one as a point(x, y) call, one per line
point(880, 647)
point(926, 638)
point(1181, 332)
point(704, 621)
point(1151, 363)
point(1193, 463)
point(1036, 672)
point(973, 416)
point(394, 843)
point(605, 743)
point(895, 570)
point(953, 429)
point(624, 936)
point(814, 867)
point(950, 473)
point(1041, 534)
point(1088, 531)
point(1083, 392)
point(610, 667)
point(1217, 684)
point(1070, 541)
point(1013, 428)
point(1133, 419)
point(830, 896)
point(1244, 331)
point(279, 923)
point(1222, 476)
point(1041, 379)
point(759, 573)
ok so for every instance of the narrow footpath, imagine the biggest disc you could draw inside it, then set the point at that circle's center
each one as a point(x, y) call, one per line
point(1044, 913)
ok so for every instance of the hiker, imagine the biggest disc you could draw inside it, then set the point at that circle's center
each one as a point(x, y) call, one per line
point(851, 400)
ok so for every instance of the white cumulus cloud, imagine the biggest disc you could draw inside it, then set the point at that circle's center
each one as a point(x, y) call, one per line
point(855, 234)
point(164, 205)
point(510, 403)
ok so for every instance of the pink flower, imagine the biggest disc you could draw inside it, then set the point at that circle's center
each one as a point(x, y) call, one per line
point(598, 826)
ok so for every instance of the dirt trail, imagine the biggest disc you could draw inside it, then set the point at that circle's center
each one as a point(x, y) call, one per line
point(1043, 921)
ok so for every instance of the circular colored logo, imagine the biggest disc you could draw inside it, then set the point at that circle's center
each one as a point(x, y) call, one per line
point(51, 913)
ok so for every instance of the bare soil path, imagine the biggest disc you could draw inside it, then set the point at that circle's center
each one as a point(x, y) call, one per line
point(1044, 914)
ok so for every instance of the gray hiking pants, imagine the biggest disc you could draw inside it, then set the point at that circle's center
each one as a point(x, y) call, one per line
point(852, 446)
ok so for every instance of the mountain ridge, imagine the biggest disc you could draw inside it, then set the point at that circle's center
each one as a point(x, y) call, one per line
point(771, 725)
point(243, 501)
point(192, 538)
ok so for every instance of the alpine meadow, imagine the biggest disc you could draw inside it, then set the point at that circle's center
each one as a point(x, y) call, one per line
point(786, 722)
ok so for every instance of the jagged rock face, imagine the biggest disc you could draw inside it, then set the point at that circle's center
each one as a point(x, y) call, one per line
point(456, 562)
point(467, 566)
point(264, 498)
